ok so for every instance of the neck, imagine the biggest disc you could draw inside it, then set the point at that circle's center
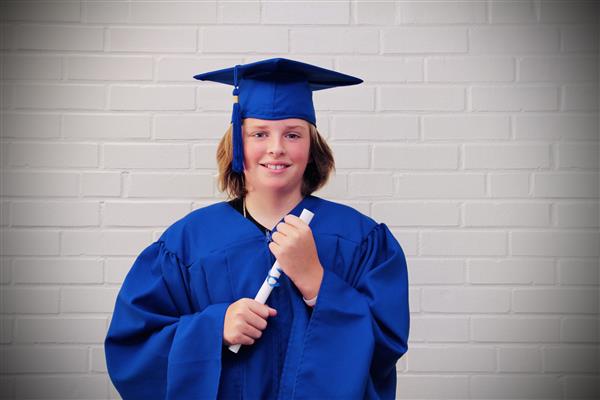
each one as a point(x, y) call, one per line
point(269, 207)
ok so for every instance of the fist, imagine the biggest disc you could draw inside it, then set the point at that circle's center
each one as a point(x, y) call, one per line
point(245, 320)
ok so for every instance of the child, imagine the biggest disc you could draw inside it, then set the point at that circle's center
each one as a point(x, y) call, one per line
point(338, 319)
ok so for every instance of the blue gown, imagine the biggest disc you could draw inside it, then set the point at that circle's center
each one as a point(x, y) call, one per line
point(165, 339)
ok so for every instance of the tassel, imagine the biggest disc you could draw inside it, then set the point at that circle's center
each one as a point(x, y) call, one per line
point(236, 121)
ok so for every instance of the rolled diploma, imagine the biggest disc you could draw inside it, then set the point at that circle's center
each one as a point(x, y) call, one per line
point(274, 274)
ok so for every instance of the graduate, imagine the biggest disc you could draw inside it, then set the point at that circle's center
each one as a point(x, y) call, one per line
point(337, 319)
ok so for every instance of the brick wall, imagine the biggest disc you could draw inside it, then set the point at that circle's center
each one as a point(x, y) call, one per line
point(474, 137)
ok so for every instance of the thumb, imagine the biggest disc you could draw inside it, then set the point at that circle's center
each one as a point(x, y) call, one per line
point(272, 312)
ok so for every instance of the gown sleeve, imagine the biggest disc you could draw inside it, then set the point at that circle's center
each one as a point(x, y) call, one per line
point(157, 347)
point(359, 326)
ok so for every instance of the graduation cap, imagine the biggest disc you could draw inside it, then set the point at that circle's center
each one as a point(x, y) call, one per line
point(277, 88)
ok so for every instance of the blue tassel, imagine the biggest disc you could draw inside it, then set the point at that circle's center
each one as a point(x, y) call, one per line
point(236, 120)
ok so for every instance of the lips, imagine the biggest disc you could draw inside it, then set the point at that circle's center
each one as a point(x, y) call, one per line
point(285, 166)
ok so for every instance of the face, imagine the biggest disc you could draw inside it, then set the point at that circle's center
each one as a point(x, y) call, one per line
point(285, 142)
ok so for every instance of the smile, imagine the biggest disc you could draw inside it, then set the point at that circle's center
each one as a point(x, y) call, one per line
point(274, 167)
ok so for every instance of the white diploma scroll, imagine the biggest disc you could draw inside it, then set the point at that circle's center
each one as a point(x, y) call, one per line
point(273, 277)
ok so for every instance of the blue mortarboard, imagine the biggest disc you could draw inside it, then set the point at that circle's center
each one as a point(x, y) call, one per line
point(276, 88)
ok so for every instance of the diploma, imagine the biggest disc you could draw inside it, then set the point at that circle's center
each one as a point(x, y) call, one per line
point(272, 278)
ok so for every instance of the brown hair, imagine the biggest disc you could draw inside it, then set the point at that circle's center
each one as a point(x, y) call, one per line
point(319, 167)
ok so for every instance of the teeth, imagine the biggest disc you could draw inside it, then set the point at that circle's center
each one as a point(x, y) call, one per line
point(275, 166)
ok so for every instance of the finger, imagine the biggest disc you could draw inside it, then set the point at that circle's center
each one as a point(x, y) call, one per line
point(259, 309)
point(256, 321)
point(252, 332)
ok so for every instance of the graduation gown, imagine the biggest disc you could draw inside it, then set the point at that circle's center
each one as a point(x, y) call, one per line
point(165, 339)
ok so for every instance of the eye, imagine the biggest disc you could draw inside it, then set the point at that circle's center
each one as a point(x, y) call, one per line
point(258, 133)
point(295, 135)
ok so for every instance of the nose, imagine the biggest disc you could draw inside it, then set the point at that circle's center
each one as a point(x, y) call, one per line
point(276, 145)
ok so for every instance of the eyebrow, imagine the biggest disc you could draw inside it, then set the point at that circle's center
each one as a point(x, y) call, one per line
point(266, 127)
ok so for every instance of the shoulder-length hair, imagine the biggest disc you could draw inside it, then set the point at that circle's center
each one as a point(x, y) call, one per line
point(319, 167)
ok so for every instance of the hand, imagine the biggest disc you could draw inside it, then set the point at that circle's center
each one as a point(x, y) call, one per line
point(294, 248)
point(245, 320)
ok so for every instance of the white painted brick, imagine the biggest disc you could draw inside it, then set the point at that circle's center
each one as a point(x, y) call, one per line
point(421, 98)
point(170, 185)
point(579, 330)
point(30, 125)
point(518, 386)
point(417, 213)
point(579, 39)
point(62, 387)
point(174, 68)
point(519, 359)
point(87, 300)
point(212, 97)
point(432, 329)
point(29, 66)
point(22, 242)
point(29, 300)
point(470, 69)
point(337, 186)
point(388, 69)
point(6, 330)
point(581, 387)
point(436, 272)
point(191, 126)
point(4, 214)
point(60, 330)
point(37, 359)
point(511, 272)
point(578, 272)
point(521, 11)
point(507, 214)
point(514, 98)
point(98, 360)
point(56, 37)
point(100, 184)
point(106, 126)
point(570, 359)
point(158, 40)
point(579, 97)
point(5, 270)
point(370, 184)
point(578, 215)
point(382, 127)
point(558, 69)
point(430, 386)
point(557, 126)
point(55, 213)
point(143, 214)
point(452, 127)
point(442, 12)
point(334, 40)
point(244, 39)
point(465, 300)
point(446, 186)
point(566, 185)
point(513, 40)
point(152, 98)
point(374, 12)
point(495, 329)
point(148, 155)
point(354, 156)
point(578, 155)
point(239, 12)
point(581, 301)
point(173, 12)
point(424, 40)
point(57, 270)
point(109, 68)
point(55, 11)
point(569, 12)
point(104, 242)
point(462, 243)
point(346, 99)
point(204, 156)
point(80, 97)
point(451, 359)
point(414, 300)
point(53, 155)
point(105, 11)
point(556, 244)
point(306, 12)
point(117, 268)
point(415, 157)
